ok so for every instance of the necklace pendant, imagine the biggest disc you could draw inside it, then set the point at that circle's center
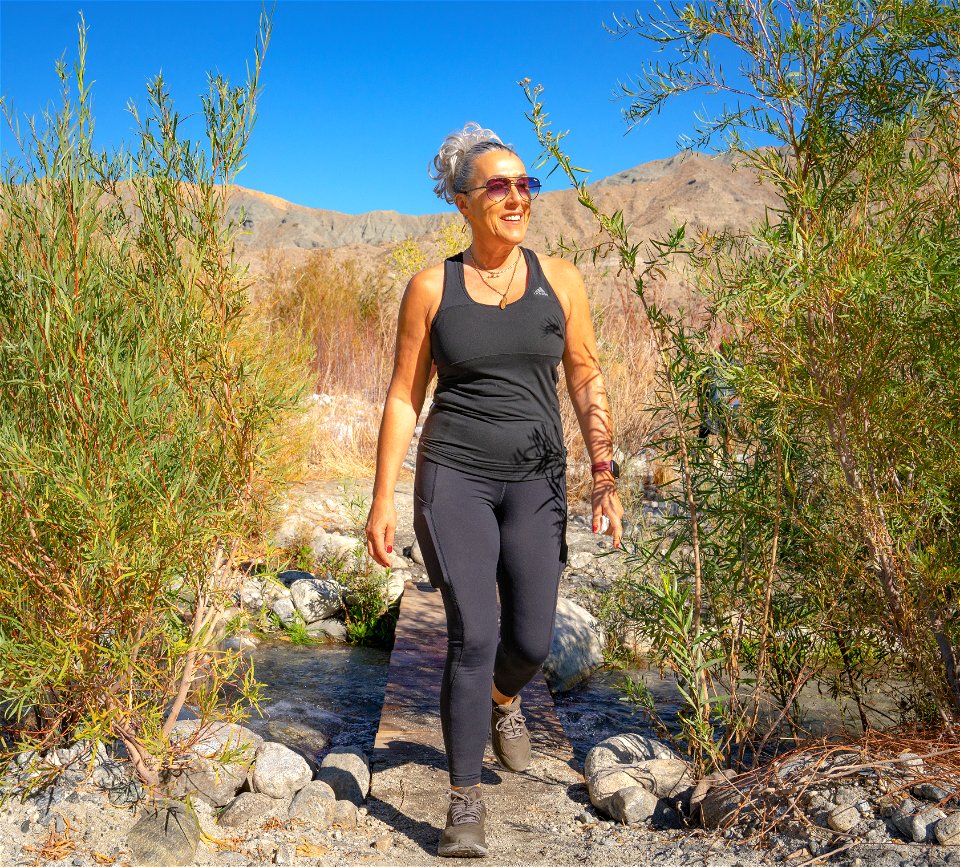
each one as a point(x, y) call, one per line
point(503, 302)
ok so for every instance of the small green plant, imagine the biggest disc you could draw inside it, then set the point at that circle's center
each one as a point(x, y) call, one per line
point(358, 506)
point(296, 631)
point(369, 620)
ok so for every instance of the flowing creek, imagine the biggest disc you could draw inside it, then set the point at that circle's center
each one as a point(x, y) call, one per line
point(324, 695)
point(319, 696)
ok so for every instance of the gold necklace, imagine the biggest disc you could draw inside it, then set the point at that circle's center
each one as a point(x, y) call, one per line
point(503, 295)
point(488, 271)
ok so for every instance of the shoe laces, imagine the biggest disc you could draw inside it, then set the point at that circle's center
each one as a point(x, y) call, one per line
point(511, 725)
point(463, 809)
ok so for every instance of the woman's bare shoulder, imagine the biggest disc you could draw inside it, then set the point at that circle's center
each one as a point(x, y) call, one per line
point(425, 290)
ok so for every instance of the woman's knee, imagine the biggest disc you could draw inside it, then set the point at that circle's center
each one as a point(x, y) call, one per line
point(527, 651)
point(475, 648)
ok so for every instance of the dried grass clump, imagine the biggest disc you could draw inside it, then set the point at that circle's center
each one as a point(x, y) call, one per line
point(341, 436)
point(344, 314)
point(888, 763)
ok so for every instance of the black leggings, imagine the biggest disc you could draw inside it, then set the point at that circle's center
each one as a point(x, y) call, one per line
point(478, 535)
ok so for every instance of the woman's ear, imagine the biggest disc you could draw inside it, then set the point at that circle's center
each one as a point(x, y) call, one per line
point(460, 200)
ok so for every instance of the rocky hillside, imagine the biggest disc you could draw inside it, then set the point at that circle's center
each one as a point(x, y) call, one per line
point(655, 196)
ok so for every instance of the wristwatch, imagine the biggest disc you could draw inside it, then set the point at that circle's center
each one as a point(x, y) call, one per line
point(604, 466)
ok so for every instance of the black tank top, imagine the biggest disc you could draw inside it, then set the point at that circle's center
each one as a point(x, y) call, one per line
point(495, 411)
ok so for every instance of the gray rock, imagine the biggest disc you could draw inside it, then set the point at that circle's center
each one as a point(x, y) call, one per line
point(288, 576)
point(577, 647)
point(625, 749)
point(579, 561)
point(930, 792)
point(316, 599)
point(212, 739)
point(110, 774)
point(251, 594)
point(240, 641)
point(663, 778)
point(909, 760)
point(916, 825)
point(704, 786)
point(394, 585)
point(844, 818)
point(332, 628)
point(633, 804)
point(165, 837)
point(214, 781)
point(947, 830)
point(286, 855)
point(847, 795)
point(345, 814)
point(279, 772)
point(415, 553)
point(216, 763)
point(284, 608)
point(347, 772)
point(318, 541)
point(251, 808)
point(338, 545)
point(314, 804)
point(720, 805)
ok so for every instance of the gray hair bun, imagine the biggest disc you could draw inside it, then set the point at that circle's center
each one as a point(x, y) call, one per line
point(452, 167)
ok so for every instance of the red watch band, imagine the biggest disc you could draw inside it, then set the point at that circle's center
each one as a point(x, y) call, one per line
point(600, 467)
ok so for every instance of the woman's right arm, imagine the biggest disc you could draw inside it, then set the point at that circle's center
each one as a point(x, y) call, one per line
point(408, 387)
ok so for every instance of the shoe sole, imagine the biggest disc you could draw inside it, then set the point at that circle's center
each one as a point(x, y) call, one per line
point(463, 850)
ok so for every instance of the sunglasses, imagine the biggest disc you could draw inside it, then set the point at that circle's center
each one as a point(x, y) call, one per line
point(499, 188)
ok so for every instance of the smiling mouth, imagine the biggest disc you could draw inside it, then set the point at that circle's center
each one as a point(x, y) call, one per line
point(513, 218)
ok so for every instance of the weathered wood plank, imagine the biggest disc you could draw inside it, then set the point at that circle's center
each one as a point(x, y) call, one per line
point(411, 705)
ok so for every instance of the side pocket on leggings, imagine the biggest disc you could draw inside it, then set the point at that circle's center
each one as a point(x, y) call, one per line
point(432, 556)
point(563, 529)
point(423, 489)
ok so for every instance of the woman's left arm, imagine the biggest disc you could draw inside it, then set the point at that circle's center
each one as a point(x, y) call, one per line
point(581, 366)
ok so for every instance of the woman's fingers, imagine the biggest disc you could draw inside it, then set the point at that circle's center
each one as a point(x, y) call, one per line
point(616, 527)
point(380, 530)
point(598, 517)
point(608, 515)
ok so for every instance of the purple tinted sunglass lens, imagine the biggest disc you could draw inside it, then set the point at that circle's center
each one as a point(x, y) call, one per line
point(499, 188)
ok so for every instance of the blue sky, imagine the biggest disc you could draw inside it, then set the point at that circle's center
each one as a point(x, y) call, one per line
point(356, 96)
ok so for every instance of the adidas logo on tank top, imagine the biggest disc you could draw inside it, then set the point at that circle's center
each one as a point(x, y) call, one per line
point(541, 291)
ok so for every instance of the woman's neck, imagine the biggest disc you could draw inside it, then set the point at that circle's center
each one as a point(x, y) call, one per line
point(490, 257)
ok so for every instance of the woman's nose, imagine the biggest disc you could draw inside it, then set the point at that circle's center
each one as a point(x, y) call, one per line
point(513, 194)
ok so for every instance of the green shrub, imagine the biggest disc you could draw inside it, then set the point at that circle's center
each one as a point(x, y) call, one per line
point(138, 417)
point(814, 534)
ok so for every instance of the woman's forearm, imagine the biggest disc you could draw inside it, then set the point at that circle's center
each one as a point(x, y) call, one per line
point(396, 430)
point(589, 398)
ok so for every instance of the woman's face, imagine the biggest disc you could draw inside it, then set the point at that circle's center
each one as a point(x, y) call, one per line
point(504, 221)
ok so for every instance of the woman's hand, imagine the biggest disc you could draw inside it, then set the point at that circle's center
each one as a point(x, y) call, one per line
point(606, 503)
point(381, 525)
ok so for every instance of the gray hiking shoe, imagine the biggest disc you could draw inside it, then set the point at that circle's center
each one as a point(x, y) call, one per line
point(511, 740)
point(463, 837)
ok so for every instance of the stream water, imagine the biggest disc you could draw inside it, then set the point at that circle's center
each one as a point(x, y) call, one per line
point(319, 696)
point(325, 695)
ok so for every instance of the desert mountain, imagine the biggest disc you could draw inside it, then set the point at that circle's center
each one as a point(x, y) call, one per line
point(702, 191)
point(654, 196)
